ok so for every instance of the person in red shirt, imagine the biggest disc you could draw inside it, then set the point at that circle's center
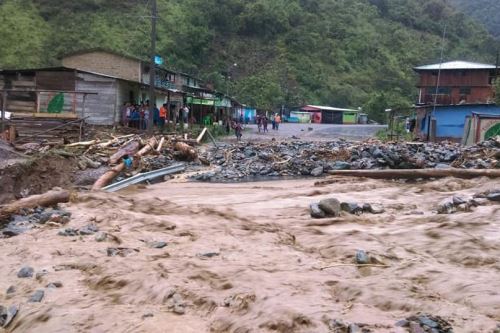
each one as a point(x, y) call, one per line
point(163, 116)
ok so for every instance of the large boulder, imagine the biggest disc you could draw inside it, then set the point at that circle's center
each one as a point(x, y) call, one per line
point(331, 207)
point(316, 212)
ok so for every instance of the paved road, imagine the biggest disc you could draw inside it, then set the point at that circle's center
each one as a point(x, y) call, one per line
point(314, 132)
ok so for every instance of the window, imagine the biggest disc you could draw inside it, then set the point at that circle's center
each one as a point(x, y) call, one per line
point(444, 91)
point(465, 90)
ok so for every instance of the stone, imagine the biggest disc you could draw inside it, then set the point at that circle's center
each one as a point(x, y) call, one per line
point(351, 208)
point(446, 206)
point(341, 166)
point(54, 285)
point(25, 272)
point(424, 320)
point(403, 323)
point(158, 245)
point(41, 274)
point(316, 172)
point(44, 217)
point(353, 328)
point(11, 290)
point(494, 197)
point(7, 315)
point(316, 212)
point(68, 232)
point(416, 328)
point(373, 208)
point(362, 257)
point(147, 315)
point(101, 236)
point(458, 200)
point(331, 207)
point(37, 296)
point(179, 309)
point(479, 202)
point(88, 230)
point(209, 254)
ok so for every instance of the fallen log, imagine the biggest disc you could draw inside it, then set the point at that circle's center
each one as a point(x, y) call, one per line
point(202, 134)
point(129, 149)
point(41, 200)
point(108, 177)
point(115, 140)
point(160, 145)
point(418, 173)
point(83, 143)
point(186, 151)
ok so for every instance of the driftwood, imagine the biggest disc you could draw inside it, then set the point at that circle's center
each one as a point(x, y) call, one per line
point(115, 140)
point(108, 177)
point(83, 143)
point(42, 200)
point(418, 173)
point(202, 134)
point(129, 149)
point(186, 151)
point(160, 145)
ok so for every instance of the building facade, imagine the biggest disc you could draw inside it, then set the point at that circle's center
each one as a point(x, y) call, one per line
point(449, 93)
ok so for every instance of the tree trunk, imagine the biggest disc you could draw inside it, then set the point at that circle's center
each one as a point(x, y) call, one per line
point(129, 149)
point(186, 151)
point(418, 173)
point(43, 200)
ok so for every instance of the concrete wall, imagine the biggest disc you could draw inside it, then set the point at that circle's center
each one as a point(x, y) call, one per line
point(105, 63)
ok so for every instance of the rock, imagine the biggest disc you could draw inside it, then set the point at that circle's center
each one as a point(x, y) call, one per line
point(446, 206)
point(373, 208)
point(316, 212)
point(44, 217)
point(88, 230)
point(54, 285)
point(7, 315)
point(479, 202)
point(494, 197)
point(426, 321)
point(362, 257)
point(147, 315)
point(403, 323)
point(68, 232)
point(209, 255)
point(458, 200)
point(25, 272)
point(37, 296)
point(416, 328)
point(351, 208)
point(11, 290)
point(101, 236)
point(341, 166)
point(331, 207)
point(353, 328)
point(41, 274)
point(119, 251)
point(158, 245)
point(316, 172)
point(179, 309)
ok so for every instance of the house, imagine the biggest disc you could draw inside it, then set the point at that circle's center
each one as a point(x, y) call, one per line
point(449, 93)
point(331, 115)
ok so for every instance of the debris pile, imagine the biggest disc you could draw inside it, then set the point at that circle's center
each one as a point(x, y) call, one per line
point(293, 159)
point(426, 323)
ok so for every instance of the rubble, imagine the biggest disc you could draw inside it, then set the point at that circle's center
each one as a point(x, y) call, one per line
point(426, 323)
point(243, 161)
point(27, 219)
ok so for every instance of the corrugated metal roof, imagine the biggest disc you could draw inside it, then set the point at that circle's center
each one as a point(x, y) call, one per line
point(454, 65)
point(327, 108)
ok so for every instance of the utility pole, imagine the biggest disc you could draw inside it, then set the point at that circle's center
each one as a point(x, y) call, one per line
point(152, 67)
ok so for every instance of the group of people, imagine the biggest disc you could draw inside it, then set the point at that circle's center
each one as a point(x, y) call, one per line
point(263, 121)
point(138, 115)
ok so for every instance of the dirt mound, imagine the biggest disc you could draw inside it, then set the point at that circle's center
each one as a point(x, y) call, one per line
point(35, 176)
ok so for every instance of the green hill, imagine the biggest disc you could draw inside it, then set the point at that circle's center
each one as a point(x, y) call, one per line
point(347, 53)
point(484, 11)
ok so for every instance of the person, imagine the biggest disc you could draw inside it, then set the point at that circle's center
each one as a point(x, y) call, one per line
point(277, 121)
point(146, 117)
point(128, 161)
point(135, 117)
point(259, 123)
point(185, 114)
point(265, 121)
point(228, 126)
point(273, 122)
point(241, 118)
point(163, 116)
point(128, 113)
point(156, 116)
point(238, 130)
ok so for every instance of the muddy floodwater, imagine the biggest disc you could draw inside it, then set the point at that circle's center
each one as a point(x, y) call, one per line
point(247, 257)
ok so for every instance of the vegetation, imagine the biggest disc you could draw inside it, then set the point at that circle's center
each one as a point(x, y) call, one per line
point(485, 11)
point(346, 53)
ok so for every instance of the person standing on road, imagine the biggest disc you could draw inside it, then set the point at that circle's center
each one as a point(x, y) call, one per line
point(163, 116)
point(265, 122)
point(277, 121)
point(273, 122)
point(185, 114)
point(259, 123)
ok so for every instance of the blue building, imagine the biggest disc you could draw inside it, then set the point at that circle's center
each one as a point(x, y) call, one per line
point(447, 122)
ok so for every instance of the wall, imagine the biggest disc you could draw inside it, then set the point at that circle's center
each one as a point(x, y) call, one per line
point(106, 63)
point(102, 108)
point(450, 120)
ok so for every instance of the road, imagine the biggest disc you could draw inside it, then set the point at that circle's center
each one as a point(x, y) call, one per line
point(314, 132)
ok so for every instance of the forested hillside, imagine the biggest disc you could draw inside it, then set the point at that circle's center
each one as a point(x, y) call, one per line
point(337, 52)
point(485, 11)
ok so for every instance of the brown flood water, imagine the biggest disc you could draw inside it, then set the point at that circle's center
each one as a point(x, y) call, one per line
point(266, 277)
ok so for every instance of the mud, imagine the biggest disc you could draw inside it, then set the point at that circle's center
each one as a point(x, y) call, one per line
point(35, 175)
point(248, 258)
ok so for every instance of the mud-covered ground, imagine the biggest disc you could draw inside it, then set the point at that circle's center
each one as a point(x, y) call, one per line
point(248, 258)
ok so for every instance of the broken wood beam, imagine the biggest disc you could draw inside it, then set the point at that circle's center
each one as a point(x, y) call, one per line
point(186, 151)
point(418, 173)
point(47, 199)
point(129, 149)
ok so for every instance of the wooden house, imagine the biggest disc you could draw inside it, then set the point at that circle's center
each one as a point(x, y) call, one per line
point(449, 93)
